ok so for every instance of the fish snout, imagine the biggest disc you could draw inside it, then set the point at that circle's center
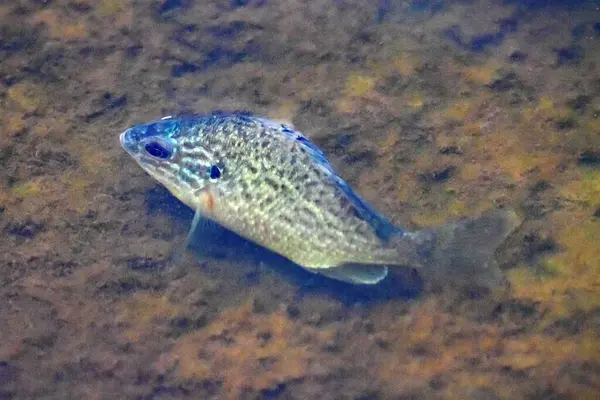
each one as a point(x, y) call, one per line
point(128, 141)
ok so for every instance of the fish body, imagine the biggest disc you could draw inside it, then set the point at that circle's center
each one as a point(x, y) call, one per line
point(267, 182)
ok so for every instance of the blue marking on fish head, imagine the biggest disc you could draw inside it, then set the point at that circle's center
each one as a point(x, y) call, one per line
point(169, 150)
point(162, 133)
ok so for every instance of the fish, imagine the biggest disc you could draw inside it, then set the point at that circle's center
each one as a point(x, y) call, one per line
point(267, 182)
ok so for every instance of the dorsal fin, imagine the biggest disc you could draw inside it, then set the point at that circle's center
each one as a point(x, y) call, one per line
point(311, 149)
point(382, 226)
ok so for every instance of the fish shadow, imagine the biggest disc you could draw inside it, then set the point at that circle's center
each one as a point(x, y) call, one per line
point(211, 241)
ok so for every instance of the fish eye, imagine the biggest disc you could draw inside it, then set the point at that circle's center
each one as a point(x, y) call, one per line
point(157, 150)
point(214, 172)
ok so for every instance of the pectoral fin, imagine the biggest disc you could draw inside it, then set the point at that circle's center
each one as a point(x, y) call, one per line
point(180, 250)
point(205, 206)
point(364, 274)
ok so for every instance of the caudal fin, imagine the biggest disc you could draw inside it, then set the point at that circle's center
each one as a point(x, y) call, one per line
point(463, 252)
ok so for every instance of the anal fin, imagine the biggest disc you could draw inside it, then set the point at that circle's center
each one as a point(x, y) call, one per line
point(362, 274)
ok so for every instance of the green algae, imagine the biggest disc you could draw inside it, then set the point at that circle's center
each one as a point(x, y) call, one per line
point(27, 189)
point(584, 189)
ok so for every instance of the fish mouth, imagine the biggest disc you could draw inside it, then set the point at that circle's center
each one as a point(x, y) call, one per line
point(129, 145)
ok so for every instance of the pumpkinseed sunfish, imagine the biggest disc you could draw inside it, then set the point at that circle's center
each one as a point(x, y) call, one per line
point(268, 183)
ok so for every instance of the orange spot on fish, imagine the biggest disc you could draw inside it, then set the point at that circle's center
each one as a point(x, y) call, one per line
point(209, 201)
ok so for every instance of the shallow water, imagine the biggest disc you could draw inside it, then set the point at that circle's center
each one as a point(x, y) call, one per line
point(431, 110)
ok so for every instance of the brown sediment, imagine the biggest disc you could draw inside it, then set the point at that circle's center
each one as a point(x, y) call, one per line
point(432, 111)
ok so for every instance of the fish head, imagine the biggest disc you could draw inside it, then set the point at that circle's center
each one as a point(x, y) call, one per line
point(171, 151)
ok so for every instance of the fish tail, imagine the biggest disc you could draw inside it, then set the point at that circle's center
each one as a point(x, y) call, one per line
point(463, 252)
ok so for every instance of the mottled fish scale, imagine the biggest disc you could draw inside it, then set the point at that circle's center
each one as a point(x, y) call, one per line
point(270, 184)
point(283, 179)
